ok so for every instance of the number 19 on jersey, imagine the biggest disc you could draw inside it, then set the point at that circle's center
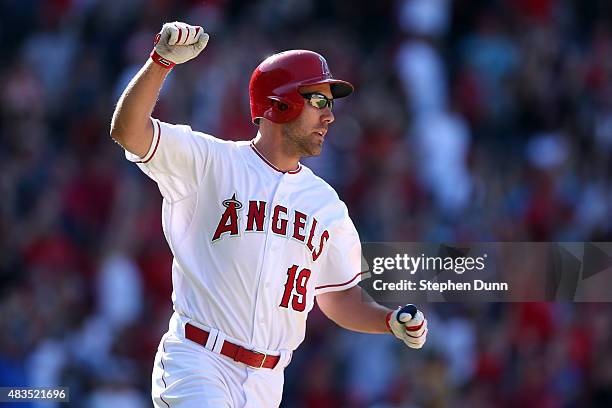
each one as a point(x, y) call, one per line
point(298, 300)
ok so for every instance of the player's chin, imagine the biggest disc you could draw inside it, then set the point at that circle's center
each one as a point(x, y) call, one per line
point(316, 148)
point(312, 150)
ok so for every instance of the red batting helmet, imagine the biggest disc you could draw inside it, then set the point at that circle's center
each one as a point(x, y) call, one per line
point(274, 85)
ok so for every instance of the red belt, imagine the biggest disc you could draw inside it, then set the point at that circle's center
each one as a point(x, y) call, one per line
point(233, 351)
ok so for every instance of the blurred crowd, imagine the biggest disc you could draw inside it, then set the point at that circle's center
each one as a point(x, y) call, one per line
point(473, 120)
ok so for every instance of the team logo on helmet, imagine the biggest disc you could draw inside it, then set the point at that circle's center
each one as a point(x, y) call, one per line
point(324, 67)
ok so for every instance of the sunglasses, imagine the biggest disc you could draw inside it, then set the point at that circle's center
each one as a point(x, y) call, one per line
point(318, 100)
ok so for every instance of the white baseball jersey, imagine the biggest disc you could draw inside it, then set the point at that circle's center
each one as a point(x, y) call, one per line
point(252, 245)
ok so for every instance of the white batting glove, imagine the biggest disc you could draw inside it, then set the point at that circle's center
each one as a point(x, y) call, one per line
point(177, 43)
point(411, 330)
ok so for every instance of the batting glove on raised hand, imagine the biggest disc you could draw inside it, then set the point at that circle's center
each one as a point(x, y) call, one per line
point(177, 43)
point(409, 325)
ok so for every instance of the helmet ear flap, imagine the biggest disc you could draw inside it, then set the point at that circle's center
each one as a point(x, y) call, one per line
point(279, 103)
point(282, 109)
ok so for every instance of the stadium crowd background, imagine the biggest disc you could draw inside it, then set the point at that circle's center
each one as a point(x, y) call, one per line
point(472, 120)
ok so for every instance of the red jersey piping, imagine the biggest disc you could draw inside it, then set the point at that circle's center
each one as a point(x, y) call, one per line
point(156, 143)
point(261, 156)
point(340, 284)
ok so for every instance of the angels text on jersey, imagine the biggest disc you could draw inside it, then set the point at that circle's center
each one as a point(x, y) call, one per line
point(258, 212)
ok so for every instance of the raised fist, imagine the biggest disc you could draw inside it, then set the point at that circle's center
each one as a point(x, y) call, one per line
point(177, 43)
point(409, 325)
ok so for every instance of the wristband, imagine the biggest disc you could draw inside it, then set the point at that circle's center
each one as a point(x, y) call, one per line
point(161, 61)
point(387, 322)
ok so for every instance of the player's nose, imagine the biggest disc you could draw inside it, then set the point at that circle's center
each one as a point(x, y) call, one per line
point(327, 116)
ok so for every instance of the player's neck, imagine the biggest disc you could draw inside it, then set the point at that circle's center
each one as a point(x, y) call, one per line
point(272, 149)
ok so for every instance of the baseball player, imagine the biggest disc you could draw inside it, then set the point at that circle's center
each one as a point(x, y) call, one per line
point(255, 235)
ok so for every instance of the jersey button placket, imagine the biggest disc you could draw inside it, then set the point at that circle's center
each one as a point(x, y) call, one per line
point(263, 300)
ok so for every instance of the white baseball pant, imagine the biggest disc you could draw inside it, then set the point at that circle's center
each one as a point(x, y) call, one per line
point(188, 375)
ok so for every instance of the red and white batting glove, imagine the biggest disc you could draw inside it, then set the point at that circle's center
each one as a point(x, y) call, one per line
point(177, 43)
point(411, 330)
